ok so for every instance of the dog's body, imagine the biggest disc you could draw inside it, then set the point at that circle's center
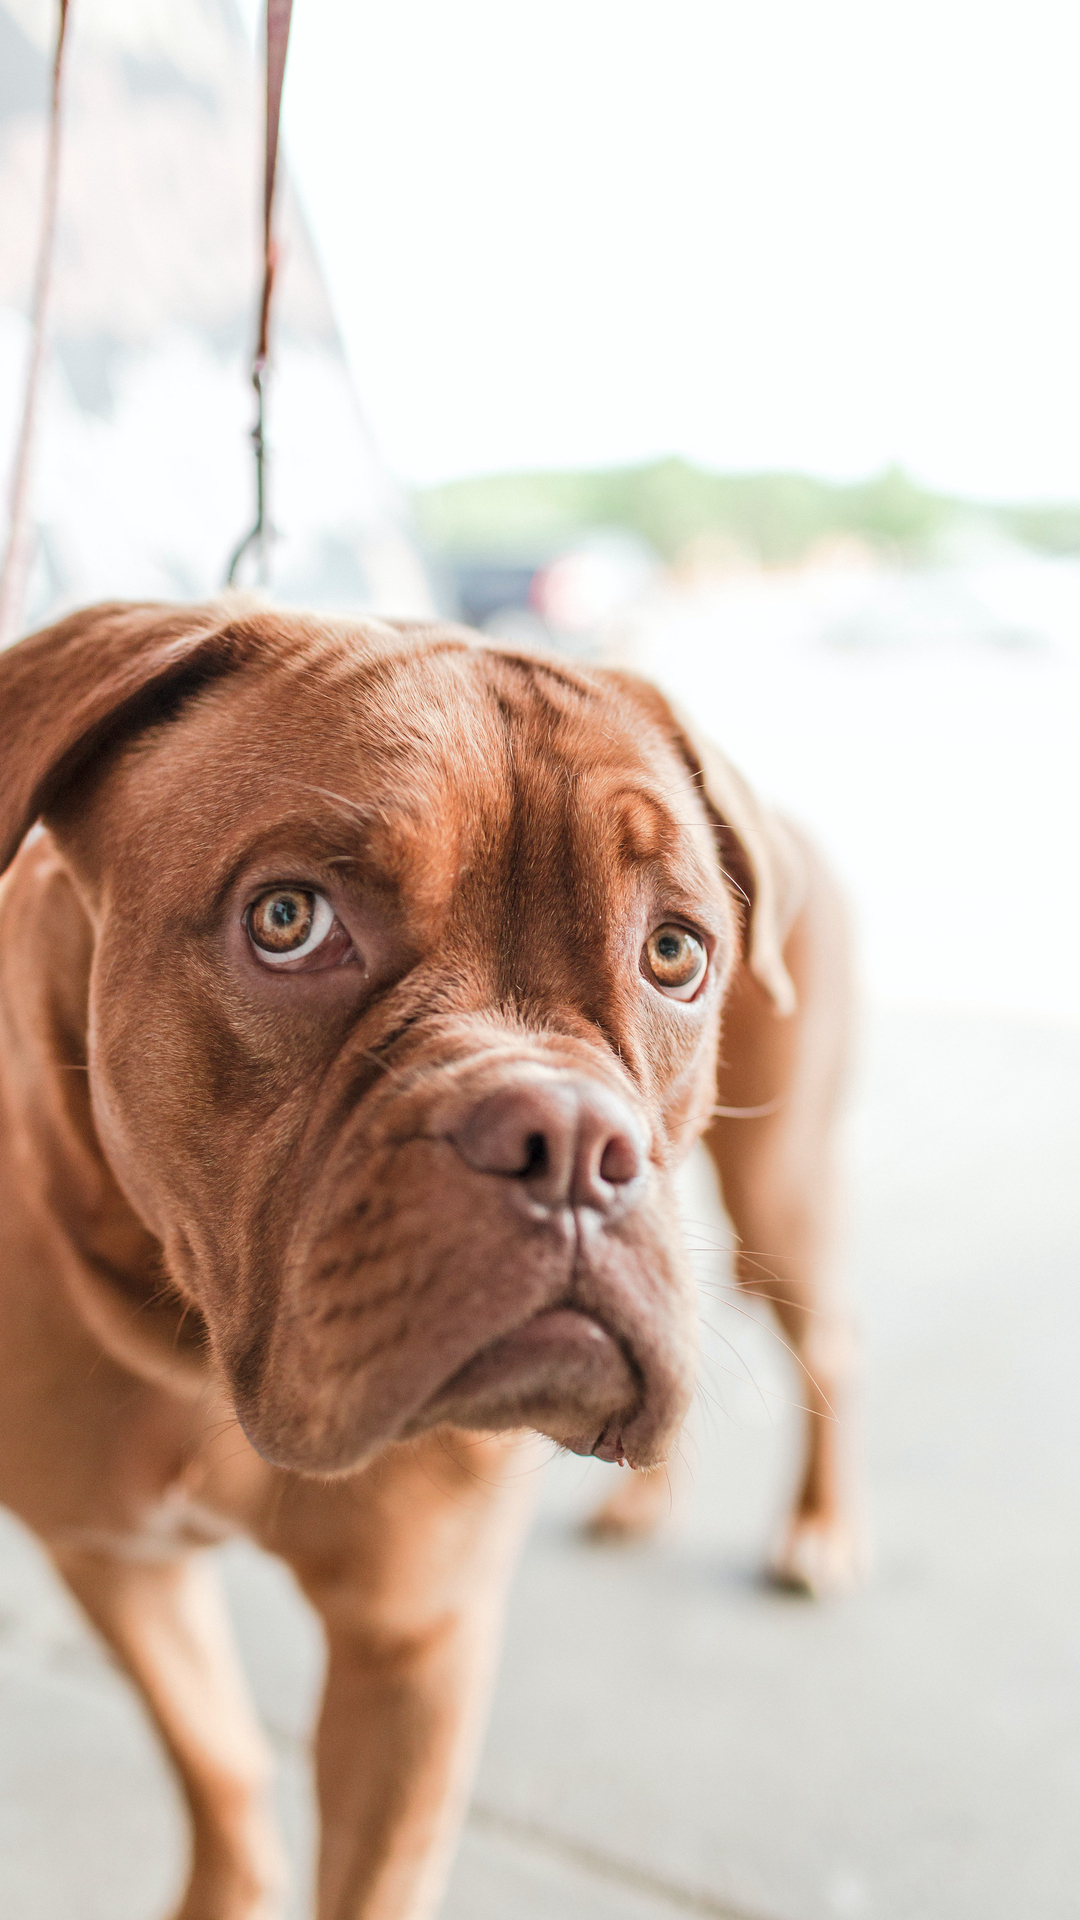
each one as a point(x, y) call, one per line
point(357, 1001)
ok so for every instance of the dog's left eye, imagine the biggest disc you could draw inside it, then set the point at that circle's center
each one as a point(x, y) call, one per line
point(288, 923)
point(675, 961)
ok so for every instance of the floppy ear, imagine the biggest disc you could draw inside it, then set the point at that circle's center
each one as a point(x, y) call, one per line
point(758, 852)
point(64, 692)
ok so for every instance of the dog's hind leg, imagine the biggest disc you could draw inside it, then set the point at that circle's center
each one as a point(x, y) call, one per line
point(780, 1080)
point(636, 1505)
point(778, 1179)
point(165, 1620)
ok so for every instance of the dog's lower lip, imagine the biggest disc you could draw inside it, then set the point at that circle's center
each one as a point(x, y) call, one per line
point(561, 1371)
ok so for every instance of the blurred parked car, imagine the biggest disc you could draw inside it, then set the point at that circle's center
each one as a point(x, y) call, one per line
point(565, 598)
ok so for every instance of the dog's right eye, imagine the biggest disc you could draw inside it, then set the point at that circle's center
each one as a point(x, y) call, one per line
point(676, 961)
point(288, 923)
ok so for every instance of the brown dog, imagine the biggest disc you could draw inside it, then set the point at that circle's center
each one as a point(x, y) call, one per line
point(359, 998)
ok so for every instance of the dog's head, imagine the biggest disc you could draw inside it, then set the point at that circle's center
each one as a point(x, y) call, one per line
point(409, 954)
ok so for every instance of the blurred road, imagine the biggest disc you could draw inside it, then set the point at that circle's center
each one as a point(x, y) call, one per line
point(668, 1737)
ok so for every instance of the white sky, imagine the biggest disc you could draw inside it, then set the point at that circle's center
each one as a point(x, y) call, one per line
point(760, 234)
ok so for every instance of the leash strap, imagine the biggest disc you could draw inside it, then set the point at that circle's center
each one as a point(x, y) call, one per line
point(19, 553)
point(278, 18)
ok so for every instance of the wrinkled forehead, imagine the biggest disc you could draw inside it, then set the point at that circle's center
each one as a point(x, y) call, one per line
point(593, 770)
point(434, 755)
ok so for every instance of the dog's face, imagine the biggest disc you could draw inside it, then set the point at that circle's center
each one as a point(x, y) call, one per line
point(404, 1006)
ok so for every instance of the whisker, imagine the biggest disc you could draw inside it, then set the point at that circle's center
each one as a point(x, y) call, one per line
point(748, 1113)
point(770, 1397)
point(723, 1292)
point(740, 1357)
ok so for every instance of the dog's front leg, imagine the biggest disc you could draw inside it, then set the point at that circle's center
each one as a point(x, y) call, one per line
point(408, 1567)
point(166, 1621)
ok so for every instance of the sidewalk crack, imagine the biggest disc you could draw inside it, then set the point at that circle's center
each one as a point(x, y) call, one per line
point(603, 1866)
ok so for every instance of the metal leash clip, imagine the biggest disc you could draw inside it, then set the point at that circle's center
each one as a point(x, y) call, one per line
point(261, 535)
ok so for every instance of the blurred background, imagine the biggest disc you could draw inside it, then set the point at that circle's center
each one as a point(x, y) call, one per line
point(739, 345)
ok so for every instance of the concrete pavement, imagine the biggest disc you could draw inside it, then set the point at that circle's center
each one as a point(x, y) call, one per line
point(669, 1737)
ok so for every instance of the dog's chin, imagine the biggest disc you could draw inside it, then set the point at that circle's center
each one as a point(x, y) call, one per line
point(561, 1373)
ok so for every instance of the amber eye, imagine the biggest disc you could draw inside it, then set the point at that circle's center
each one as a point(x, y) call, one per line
point(288, 923)
point(676, 961)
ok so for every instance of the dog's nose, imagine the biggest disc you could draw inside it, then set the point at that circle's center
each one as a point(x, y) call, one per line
point(571, 1143)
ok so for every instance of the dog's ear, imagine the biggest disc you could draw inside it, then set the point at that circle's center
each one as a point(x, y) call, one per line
point(64, 692)
point(758, 853)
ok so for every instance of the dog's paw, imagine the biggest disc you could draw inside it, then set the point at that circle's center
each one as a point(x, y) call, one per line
point(639, 1503)
point(823, 1558)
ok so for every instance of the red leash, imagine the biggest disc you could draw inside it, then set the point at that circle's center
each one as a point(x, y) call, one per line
point(19, 554)
point(278, 18)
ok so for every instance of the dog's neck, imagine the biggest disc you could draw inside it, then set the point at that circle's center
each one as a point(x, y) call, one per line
point(90, 1239)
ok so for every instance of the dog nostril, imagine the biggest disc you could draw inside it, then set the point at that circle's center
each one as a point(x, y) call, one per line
point(566, 1143)
point(537, 1157)
point(620, 1161)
